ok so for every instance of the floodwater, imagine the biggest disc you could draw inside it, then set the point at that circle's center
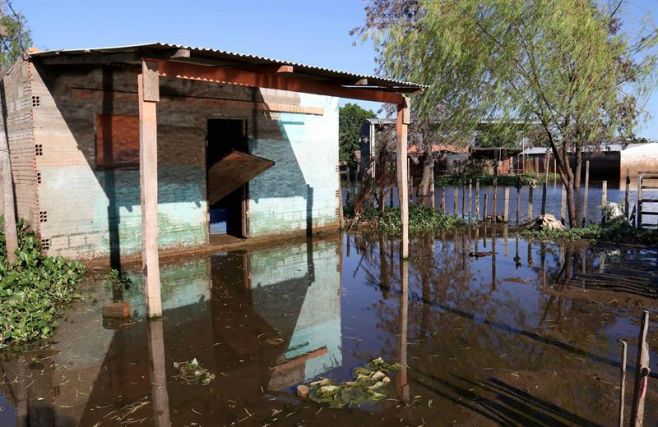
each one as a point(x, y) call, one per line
point(524, 336)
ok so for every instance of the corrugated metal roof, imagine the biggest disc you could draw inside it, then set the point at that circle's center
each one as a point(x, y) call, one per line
point(234, 57)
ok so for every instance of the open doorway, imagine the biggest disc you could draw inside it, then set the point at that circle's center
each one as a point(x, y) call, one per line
point(228, 215)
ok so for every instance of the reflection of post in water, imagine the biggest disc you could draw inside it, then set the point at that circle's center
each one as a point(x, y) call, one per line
point(506, 240)
point(493, 257)
point(517, 258)
point(384, 284)
point(583, 258)
point(542, 255)
point(402, 380)
point(426, 269)
point(158, 373)
point(477, 239)
point(484, 237)
point(530, 261)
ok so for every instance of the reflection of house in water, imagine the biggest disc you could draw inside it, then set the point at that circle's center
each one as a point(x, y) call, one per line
point(260, 320)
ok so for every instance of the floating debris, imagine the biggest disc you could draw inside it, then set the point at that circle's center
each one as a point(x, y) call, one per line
point(191, 372)
point(369, 384)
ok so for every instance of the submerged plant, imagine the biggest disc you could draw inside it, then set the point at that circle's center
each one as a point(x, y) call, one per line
point(421, 220)
point(191, 372)
point(34, 290)
point(370, 383)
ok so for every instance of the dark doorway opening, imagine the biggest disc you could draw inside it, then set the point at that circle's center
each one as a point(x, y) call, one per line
point(229, 214)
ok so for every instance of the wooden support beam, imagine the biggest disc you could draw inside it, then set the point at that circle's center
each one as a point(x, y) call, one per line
point(403, 119)
point(148, 94)
point(280, 81)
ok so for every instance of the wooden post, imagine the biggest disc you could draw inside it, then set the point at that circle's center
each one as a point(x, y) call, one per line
point(506, 206)
point(604, 201)
point(470, 200)
point(443, 199)
point(402, 122)
point(454, 201)
point(518, 204)
point(149, 94)
point(622, 388)
point(463, 199)
point(638, 212)
point(531, 189)
point(641, 374)
point(494, 200)
point(537, 165)
point(627, 196)
point(543, 196)
point(554, 172)
point(477, 199)
point(586, 195)
point(402, 378)
point(563, 206)
point(484, 211)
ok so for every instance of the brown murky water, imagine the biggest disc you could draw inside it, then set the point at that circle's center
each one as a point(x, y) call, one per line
point(524, 336)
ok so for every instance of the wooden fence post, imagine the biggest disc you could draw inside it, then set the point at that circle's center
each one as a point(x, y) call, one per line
point(443, 199)
point(494, 200)
point(455, 203)
point(506, 206)
point(463, 198)
point(477, 199)
point(470, 200)
point(638, 214)
point(604, 201)
point(622, 388)
point(627, 196)
point(641, 374)
point(484, 211)
point(531, 188)
point(402, 121)
point(586, 195)
point(518, 204)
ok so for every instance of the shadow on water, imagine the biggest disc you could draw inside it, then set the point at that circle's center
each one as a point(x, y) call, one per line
point(489, 329)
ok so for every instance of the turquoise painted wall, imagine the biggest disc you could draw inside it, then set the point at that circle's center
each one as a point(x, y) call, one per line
point(301, 187)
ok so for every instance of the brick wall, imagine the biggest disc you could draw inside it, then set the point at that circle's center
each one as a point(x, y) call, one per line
point(22, 102)
point(90, 211)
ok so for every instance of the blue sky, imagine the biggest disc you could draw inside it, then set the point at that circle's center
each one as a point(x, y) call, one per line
point(310, 31)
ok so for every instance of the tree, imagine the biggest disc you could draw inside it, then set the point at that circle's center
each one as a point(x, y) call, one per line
point(565, 64)
point(16, 37)
point(351, 118)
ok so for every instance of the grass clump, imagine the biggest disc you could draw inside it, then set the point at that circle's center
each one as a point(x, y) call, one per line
point(34, 290)
point(486, 179)
point(421, 220)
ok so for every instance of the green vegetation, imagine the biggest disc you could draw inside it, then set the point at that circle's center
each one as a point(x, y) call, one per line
point(351, 117)
point(34, 290)
point(421, 220)
point(503, 180)
point(615, 232)
point(369, 383)
point(575, 70)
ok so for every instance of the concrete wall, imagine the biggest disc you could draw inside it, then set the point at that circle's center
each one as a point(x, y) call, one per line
point(93, 212)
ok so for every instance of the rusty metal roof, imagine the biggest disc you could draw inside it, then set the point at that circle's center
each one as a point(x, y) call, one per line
point(131, 54)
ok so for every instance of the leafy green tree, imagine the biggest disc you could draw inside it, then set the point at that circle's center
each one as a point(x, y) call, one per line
point(564, 64)
point(15, 35)
point(351, 118)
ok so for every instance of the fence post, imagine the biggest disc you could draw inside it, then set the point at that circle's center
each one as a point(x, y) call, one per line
point(485, 207)
point(463, 198)
point(604, 201)
point(641, 374)
point(454, 201)
point(506, 206)
point(531, 188)
point(477, 199)
point(494, 200)
point(586, 195)
point(627, 196)
point(518, 204)
point(638, 216)
point(443, 199)
point(470, 200)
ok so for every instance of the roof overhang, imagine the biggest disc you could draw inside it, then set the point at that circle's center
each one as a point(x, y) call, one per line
point(234, 68)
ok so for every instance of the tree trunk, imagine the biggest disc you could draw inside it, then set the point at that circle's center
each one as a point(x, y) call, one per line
point(426, 180)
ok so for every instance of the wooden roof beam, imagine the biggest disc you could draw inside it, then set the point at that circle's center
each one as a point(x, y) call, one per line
point(279, 80)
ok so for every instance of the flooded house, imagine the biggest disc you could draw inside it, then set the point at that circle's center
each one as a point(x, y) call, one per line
point(168, 147)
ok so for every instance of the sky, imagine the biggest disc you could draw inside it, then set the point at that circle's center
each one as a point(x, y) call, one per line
point(314, 32)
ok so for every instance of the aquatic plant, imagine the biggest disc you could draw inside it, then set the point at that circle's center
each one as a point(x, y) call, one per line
point(421, 220)
point(34, 290)
point(369, 384)
point(191, 372)
point(614, 232)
